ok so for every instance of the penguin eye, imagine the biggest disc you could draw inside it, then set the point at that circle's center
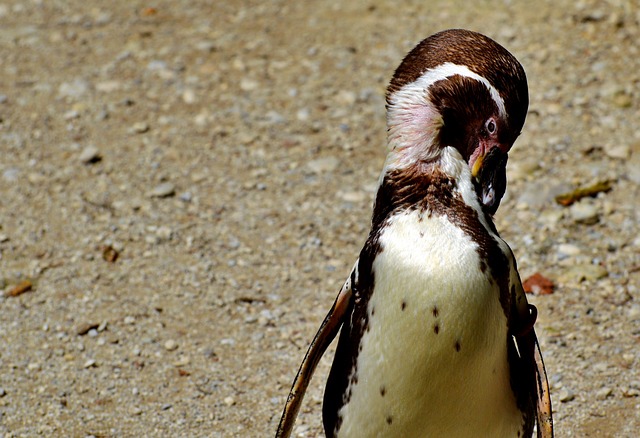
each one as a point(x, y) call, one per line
point(491, 126)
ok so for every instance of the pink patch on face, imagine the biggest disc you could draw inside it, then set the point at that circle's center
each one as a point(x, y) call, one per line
point(480, 150)
point(415, 128)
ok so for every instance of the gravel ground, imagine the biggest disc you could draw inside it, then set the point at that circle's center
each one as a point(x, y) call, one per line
point(186, 185)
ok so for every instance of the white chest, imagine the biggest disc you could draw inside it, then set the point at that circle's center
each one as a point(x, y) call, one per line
point(434, 360)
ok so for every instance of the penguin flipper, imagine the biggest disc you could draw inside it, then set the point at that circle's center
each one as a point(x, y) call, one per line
point(543, 397)
point(524, 317)
point(326, 333)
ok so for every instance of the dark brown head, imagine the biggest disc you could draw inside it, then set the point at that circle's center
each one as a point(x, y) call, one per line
point(463, 90)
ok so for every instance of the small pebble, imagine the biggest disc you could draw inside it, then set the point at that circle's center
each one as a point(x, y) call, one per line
point(164, 232)
point(229, 401)
point(91, 363)
point(163, 190)
point(584, 213)
point(157, 65)
point(189, 96)
point(90, 155)
point(633, 170)
point(182, 361)
point(303, 114)
point(623, 100)
point(621, 151)
point(555, 380)
point(628, 359)
point(108, 86)
point(274, 117)
point(346, 97)
point(73, 89)
point(2, 392)
point(633, 312)
point(11, 174)
point(71, 114)
point(352, 196)
point(248, 84)
point(170, 345)
point(210, 353)
point(251, 319)
point(135, 410)
point(603, 393)
point(565, 395)
point(600, 367)
point(534, 196)
point(323, 165)
point(568, 250)
point(129, 320)
point(84, 328)
point(582, 272)
point(206, 46)
point(140, 128)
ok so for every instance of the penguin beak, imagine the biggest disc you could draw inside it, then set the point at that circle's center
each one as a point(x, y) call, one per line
point(490, 173)
point(477, 165)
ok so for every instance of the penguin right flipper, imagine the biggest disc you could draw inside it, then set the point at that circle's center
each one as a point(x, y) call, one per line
point(326, 333)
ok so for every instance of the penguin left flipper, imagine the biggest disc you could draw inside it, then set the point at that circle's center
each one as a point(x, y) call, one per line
point(326, 333)
point(543, 397)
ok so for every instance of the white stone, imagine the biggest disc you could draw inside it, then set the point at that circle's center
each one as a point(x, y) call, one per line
point(323, 165)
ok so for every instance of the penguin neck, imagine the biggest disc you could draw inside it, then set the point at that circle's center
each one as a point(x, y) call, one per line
point(434, 186)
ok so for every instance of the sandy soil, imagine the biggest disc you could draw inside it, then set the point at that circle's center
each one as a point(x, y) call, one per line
point(186, 184)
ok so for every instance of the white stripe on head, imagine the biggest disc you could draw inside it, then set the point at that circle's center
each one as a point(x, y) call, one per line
point(408, 93)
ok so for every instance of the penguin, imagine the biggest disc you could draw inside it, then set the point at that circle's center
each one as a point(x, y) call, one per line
point(436, 334)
